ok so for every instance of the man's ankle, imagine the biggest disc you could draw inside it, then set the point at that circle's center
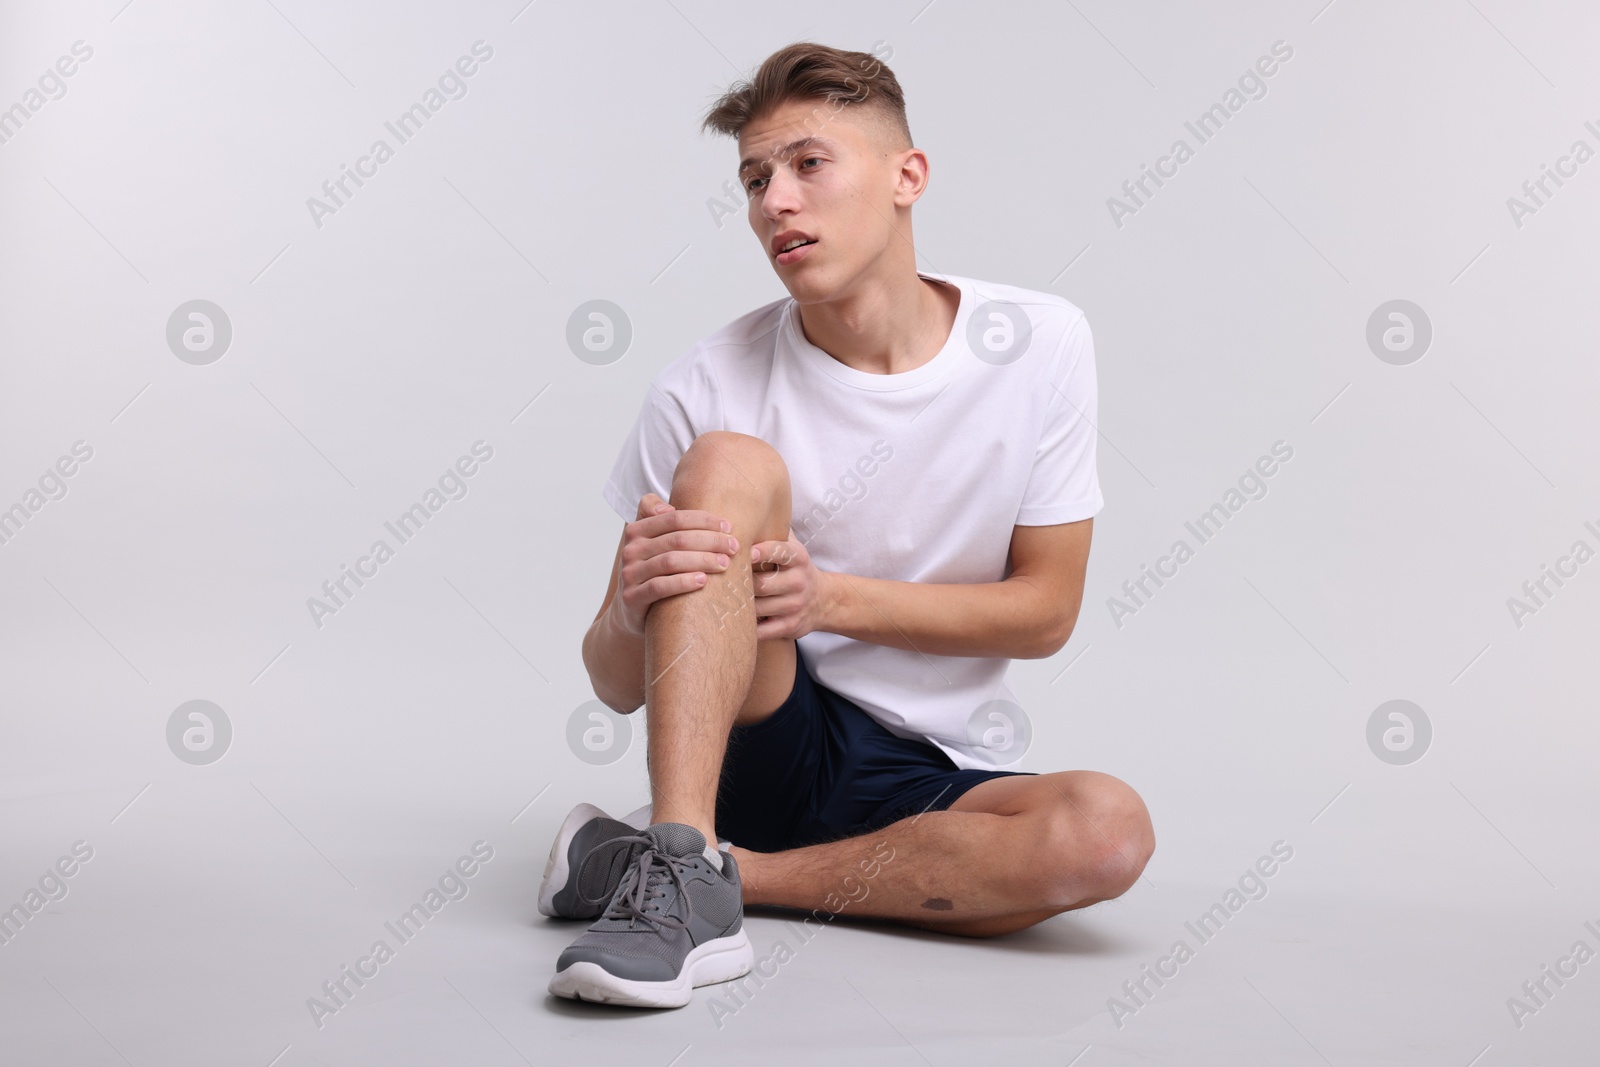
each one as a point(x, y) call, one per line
point(749, 872)
point(707, 832)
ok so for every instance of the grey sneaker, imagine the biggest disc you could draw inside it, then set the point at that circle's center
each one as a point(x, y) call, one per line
point(573, 888)
point(675, 922)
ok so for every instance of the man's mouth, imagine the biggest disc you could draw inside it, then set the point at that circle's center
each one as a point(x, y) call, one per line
point(793, 251)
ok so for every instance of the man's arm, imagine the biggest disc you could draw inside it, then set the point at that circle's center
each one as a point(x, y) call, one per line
point(1029, 615)
point(614, 657)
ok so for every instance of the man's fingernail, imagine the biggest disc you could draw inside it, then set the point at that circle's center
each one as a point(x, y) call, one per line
point(727, 527)
point(755, 554)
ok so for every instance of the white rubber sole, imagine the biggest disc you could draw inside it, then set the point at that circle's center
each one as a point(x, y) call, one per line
point(721, 960)
point(556, 871)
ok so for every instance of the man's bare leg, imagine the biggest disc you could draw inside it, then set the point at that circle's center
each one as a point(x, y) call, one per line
point(702, 668)
point(1010, 852)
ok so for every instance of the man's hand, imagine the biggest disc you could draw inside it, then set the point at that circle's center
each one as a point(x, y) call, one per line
point(666, 552)
point(791, 594)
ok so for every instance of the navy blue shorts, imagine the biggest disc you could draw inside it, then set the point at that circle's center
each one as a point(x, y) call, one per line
point(820, 768)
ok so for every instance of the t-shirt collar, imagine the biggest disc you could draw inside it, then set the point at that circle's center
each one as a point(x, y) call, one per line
point(936, 367)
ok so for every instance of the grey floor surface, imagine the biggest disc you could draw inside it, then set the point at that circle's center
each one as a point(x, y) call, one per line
point(210, 914)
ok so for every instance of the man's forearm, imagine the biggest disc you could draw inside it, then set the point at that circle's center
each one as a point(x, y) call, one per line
point(1012, 618)
point(614, 659)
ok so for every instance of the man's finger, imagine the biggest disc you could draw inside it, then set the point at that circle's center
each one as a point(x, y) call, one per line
point(650, 504)
point(773, 552)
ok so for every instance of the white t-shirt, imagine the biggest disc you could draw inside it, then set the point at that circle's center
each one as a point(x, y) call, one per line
point(917, 477)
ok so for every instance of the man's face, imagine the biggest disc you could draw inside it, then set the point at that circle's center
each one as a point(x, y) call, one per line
point(819, 172)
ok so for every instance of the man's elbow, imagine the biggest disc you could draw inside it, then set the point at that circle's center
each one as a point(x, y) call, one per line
point(617, 702)
point(1055, 635)
point(1047, 648)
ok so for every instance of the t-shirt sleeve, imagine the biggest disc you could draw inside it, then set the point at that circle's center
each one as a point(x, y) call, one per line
point(679, 405)
point(1065, 485)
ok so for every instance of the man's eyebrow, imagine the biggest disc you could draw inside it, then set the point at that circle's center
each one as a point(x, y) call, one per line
point(788, 149)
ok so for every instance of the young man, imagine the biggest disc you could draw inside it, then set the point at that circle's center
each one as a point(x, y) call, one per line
point(849, 511)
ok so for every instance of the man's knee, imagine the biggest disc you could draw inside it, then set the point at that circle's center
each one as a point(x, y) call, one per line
point(1130, 841)
point(1097, 843)
point(722, 457)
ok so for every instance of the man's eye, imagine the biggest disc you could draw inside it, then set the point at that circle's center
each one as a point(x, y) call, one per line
point(755, 183)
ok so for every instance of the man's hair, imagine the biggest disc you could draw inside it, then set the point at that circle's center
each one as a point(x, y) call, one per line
point(805, 71)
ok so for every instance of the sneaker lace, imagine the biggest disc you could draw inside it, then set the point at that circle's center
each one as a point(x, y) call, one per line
point(643, 887)
point(608, 849)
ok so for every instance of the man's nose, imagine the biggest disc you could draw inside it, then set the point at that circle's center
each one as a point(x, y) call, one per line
point(781, 194)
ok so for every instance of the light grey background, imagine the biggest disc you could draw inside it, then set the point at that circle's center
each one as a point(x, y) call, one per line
point(430, 312)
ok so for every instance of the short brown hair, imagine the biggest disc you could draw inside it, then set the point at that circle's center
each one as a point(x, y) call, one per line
point(806, 70)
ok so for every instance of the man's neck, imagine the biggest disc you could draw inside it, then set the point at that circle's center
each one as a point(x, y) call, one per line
point(887, 327)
